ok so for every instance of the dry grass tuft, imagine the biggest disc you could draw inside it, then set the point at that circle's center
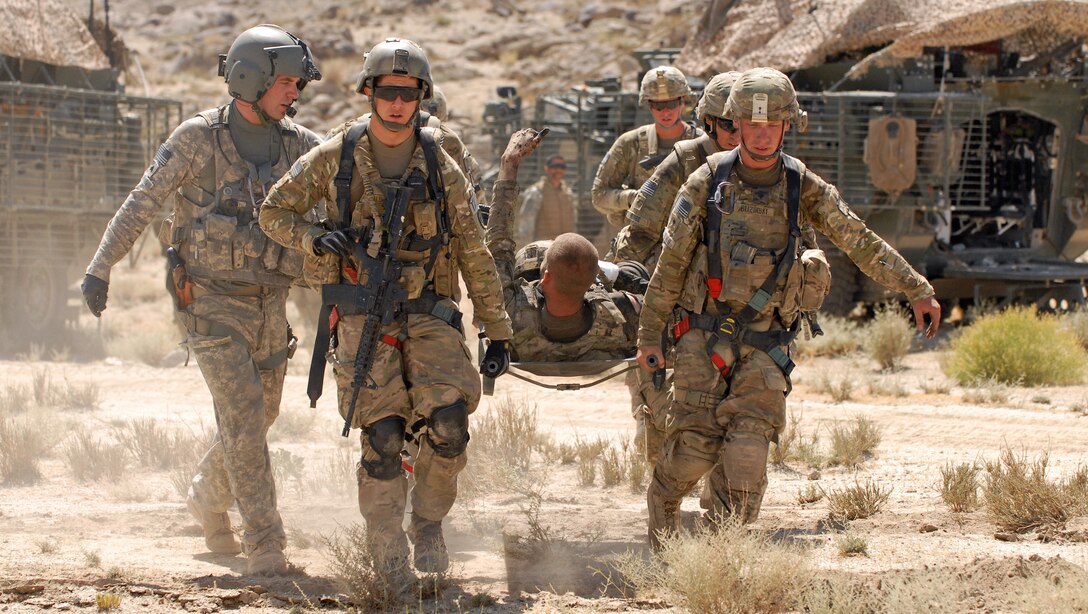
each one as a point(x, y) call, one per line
point(1019, 497)
point(852, 545)
point(810, 494)
point(887, 386)
point(857, 501)
point(853, 443)
point(66, 395)
point(501, 448)
point(986, 392)
point(959, 486)
point(1017, 346)
point(91, 459)
point(189, 448)
point(840, 389)
point(14, 400)
point(107, 601)
point(1076, 324)
point(336, 476)
point(46, 546)
point(613, 467)
point(793, 446)
point(637, 469)
point(353, 562)
point(288, 468)
point(841, 336)
point(887, 337)
point(731, 569)
point(23, 442)
point(295, 422)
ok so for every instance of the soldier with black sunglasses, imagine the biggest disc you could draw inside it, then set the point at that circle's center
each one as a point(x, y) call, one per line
point(636, 153)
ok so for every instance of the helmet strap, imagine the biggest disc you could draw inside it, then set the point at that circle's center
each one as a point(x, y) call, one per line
point(388, 125)
point(265, 119)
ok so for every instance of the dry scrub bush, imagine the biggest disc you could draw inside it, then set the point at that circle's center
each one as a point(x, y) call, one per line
point(336, 476)
point(46, 546)
point(793, 446)
point(857, 501)
point(986, 392)
point(852, 545)
point(840, 389)
point(294, 423)
point(613, 467)
point(288, 467)
point(352, 563)
point(729, 569)
point(501, 448)
point(91, 459)
point(23, 442)
point(887, 338)
point(147, 340)
point(14, 400)
point(852, 443)
point(107, 601)
point(886, 386)
point(841, 336)
point(1017, 346)
point(1019, 497)
point(189, 448)
point(810, 494)
point(1076, 324)
point(959, 486)
point(66, 395)
point(153, 446)
point(637, 470)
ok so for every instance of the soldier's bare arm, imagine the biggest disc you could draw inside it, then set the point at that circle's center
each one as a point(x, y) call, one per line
point(609, 195)
point(501, 223)
point(283, 214)
point(172, 166)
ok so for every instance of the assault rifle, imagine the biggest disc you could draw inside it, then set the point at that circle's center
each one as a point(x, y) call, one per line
point(377, 294)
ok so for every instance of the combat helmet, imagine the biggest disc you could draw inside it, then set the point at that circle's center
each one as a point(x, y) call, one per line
point(715, 96)
point(437, 105)
point(765, 94)
point(401, 57)
point(530, 259)
point(261, 54)
point(663, 83)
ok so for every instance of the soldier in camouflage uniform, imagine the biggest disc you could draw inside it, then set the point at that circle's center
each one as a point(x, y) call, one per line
point(422, 372)
point(559, 312)
point(547, 207)
point(636, 153)
point(439, 112)
point(640, 240)
point(736, 310)
point(217, 167)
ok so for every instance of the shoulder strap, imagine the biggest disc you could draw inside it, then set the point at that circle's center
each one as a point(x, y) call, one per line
point(342, 181)
point(712, 230)
point(434, 180)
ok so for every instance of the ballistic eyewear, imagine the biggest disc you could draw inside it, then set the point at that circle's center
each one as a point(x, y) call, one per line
point(664, 104)
point(725, 124)
point(391, 93)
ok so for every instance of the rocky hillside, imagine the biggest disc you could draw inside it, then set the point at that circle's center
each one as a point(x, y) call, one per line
point(474, 45)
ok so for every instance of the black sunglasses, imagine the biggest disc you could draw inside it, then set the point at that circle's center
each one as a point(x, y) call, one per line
point(391, 93)
point(725, 124)
point(664, 104)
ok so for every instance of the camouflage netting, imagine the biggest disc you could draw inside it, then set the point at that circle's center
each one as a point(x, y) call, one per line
point(795, 34)
point(48, 31)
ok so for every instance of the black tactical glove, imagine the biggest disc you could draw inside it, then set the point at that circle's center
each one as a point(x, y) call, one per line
point(496, 359)
point(339, 242)
point(94, 292)
point(633, 277)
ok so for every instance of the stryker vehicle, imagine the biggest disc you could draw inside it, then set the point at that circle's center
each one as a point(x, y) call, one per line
point(72, 145)
point(967, 155)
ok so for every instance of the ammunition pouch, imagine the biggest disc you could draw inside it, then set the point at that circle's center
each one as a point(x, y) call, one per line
point(807, 285)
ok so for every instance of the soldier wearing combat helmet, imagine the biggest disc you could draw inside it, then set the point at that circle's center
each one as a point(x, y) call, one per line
point(216, 169)
point(738, 272)
point(636, 153)
point(394, 196)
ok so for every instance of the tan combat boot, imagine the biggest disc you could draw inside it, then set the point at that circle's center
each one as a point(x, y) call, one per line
point(430, 554)
point(266, 560)
point(218, 535)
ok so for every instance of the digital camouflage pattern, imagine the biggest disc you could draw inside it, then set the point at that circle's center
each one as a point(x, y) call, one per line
point(619, 176)
point(729, 427)
point(611, 336)
point(215, 199)
point(640, 240)
point(547, 211)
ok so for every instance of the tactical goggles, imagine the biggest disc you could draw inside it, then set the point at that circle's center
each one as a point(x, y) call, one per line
point(725, 124)
point(664, 104)
point(392, 92)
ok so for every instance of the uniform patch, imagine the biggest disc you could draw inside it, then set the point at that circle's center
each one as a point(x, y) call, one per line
point(162, 156)
point(648, 188)
point(296, 169)
point(682, 207)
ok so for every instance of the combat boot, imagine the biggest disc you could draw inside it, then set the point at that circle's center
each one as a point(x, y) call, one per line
point(266, 560)
point(218, 535)
point(429, 547)
point(664, 517)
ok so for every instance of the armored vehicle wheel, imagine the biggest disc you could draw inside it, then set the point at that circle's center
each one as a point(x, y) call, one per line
point(842, 298)
point(35, 304)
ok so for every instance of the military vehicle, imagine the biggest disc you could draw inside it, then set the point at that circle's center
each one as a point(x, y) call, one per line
point(72, 145)
point(959, 134)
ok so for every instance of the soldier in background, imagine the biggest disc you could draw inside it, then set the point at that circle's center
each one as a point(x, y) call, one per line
point(217, 168)
point(735, 280)
point(422, 374)
point(547, 207)
point(636, 153)
point(439, 114)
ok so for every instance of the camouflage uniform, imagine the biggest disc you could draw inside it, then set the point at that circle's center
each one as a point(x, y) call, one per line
point(547, 211)
point(610, 337)
point(640, 240)
point(238, 323)
point(728, 425)
point(619, 176)
point(423, 367)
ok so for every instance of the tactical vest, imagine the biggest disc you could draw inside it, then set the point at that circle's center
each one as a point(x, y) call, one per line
point(219, 238)
point(692, 154)
point(604, 340)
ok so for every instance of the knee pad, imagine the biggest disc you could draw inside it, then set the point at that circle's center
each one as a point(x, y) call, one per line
point(386, 438)
point(448, 430)
point(744, 459)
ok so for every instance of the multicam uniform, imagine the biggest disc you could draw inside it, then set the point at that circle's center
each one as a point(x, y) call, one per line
point(423, 367)
point(610, 336)
point(728, 424)
point(237, 323)
point(640, 240)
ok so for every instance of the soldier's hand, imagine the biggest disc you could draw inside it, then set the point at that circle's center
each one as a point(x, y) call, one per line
point(927, 307)
point(94, 293)
point(496, 359)
point(643, 357)
point(522, 143)
point(339, 242)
